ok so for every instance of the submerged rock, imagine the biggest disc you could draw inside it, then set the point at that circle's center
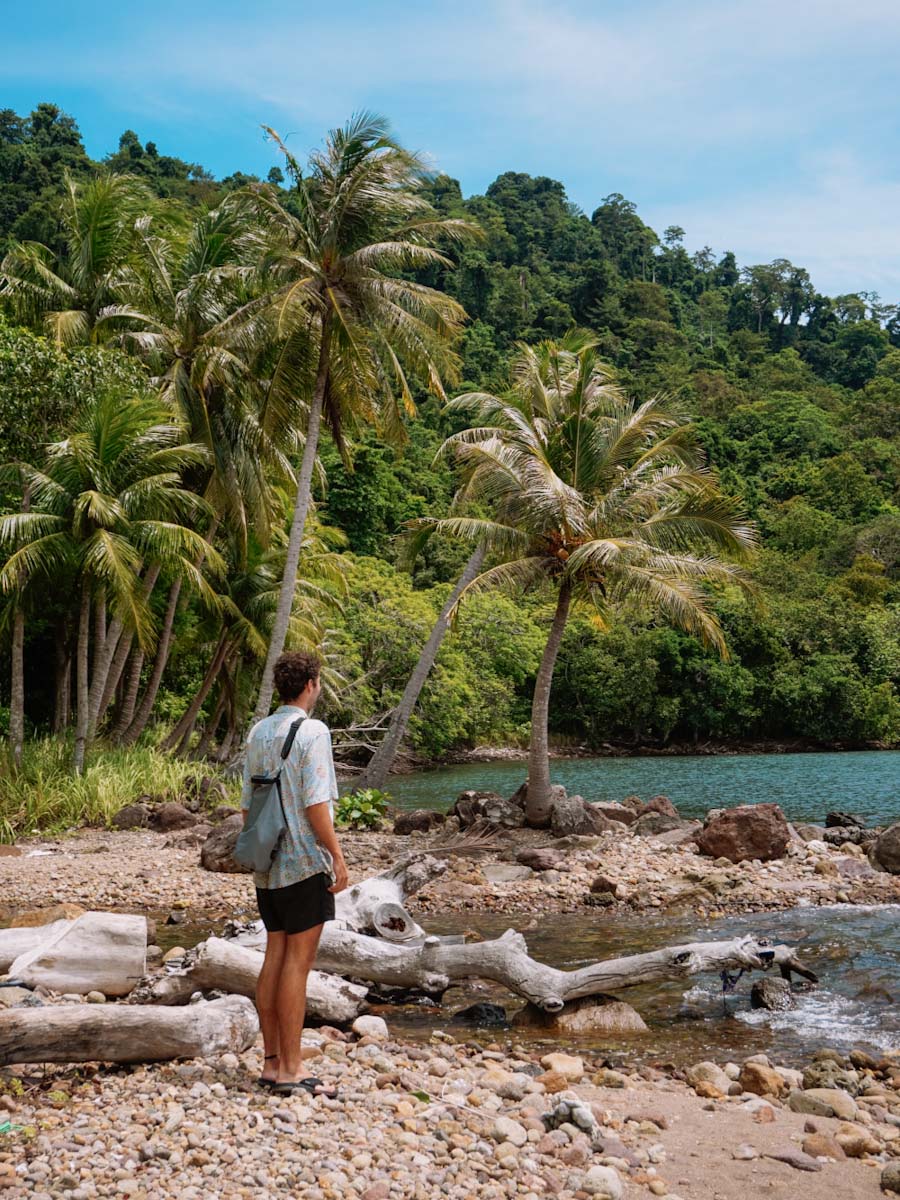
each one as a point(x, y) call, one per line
point(750, 831)
point(773, 994)
point(483, 1015)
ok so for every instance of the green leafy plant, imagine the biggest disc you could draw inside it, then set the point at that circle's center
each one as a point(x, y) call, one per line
point(363, 809)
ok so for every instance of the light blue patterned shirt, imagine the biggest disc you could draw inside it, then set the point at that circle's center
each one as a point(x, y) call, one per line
point(307, 778)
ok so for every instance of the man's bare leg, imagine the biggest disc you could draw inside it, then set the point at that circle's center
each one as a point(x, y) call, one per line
point(290, 1000)
point(266, 1000)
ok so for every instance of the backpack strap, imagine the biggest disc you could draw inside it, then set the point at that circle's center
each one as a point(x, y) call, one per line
point(291, 734)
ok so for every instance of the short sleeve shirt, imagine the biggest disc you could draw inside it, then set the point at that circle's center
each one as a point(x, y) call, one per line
point(307, 778)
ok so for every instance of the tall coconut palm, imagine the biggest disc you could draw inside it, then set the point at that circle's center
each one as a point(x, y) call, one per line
point(107, 508)
point(597, 498)
point(66, 293)
point(357, 225)
point(191, 310)
point(379, 765)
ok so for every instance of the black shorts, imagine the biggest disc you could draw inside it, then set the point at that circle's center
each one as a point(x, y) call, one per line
point(297, 907)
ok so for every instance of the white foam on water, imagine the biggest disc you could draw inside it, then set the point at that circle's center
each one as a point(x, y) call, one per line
point(828, 1019)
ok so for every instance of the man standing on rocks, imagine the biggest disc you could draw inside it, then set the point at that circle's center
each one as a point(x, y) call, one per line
point(296, 895)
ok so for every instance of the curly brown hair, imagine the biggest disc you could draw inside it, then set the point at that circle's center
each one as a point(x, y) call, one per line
point(293, 671)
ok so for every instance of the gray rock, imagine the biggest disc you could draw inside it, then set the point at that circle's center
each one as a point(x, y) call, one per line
point(603, 1182)
point(473, 808)
point(572, 815)
point(616, 812)
point(884, 853)
point(809, 833)
point(505, 872)
point(829, 1074)
point(417, 820)
point(652, 823)
point(890, 1179)
point(170, 816)
point(823, 1102)
point(797, 1159)
point(540, 859)
point(217, 852)
point(17, 997)
point(132, 816)
point(773, 994)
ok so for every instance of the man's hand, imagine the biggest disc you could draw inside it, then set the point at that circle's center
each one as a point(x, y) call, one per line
point(340, 876)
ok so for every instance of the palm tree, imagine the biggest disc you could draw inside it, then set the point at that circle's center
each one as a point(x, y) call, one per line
point(357, 221)
point(108, 508)
point(192, 312)
point(382, 760)
point(596, 497)
point(240, 626)
point(67, 293)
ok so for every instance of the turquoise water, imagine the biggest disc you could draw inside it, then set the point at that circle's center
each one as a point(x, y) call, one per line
point(805, 785)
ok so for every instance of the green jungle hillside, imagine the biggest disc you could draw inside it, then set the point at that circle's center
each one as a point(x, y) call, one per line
point(794, 395)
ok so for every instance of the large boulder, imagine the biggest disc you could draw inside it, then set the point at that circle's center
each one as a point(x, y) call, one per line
point(750, 831)
point(884, 853)
point(418, 820)
point(217, 852)
point(472, 808)
point(171, 816)
point(573, 815)
point(773, 994)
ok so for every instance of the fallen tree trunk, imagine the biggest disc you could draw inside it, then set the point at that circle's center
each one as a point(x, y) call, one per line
point(126, 1033)
point(433, 965)
point(223, 965)
point(103, 952)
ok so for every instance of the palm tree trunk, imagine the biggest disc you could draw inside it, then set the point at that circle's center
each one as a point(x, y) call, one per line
point(81, 677)
point(185, 727)
point(537, 808)
point(17, 688)
point(129, 696)
point(164, 645)
point(383, 759)
point(120, 651)
point(211, 725)
point(298, 524)
point(63, 680)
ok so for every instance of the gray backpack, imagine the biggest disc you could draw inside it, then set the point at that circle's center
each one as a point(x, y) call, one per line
point(266, 820)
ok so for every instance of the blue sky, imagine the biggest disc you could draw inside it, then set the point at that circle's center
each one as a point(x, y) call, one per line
point(771, 128)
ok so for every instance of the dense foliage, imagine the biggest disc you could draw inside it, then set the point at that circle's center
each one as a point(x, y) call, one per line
point(795, 398)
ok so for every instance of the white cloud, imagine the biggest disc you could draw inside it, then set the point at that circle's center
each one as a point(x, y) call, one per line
point(835, 218)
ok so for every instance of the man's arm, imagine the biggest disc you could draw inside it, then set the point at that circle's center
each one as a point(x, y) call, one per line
point(319, 817)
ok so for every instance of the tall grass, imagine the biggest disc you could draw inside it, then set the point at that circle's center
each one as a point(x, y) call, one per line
point(43, 796)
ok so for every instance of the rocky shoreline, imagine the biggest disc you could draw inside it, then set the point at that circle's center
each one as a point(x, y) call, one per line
point(455, 1119)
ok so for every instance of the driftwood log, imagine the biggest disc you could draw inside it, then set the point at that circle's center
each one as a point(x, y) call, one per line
point(126, 1033)
point(103, 952)
point(228, 967)
point(433, 964)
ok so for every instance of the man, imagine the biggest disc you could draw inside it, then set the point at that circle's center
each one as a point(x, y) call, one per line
point(296, 895)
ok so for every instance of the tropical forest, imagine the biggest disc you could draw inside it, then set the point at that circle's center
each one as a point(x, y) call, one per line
point(525, 475)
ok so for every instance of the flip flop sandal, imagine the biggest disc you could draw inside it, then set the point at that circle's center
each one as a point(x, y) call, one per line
point(262, 1081)
point(312, 1085)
